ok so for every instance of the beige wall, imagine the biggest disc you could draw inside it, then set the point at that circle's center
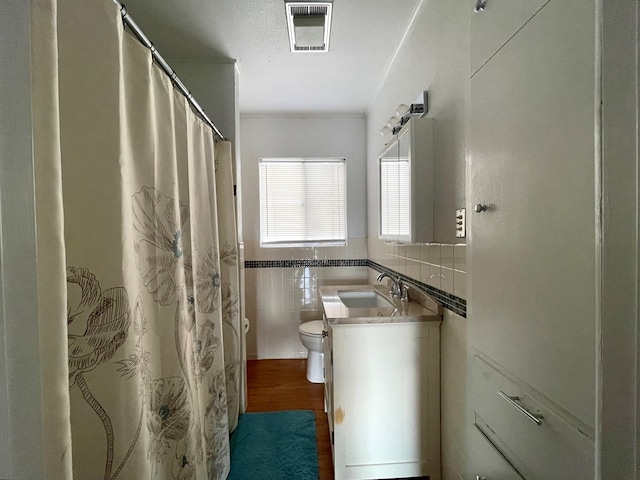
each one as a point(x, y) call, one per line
point(453, 397)
point(214, 85)
point(279, 299)
point(341, 136)
point(434, 57)
point(618, 376)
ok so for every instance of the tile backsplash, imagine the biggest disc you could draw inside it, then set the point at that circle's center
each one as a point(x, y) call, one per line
point(282, 291)
point(282, 284)
point(439, 265)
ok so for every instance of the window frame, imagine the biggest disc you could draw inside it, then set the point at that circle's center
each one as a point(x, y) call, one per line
point(302, 243)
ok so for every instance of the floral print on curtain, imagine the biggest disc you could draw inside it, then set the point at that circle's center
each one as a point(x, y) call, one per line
point(102, 320)
point(161, 225)
point(152, 276)
point(165, 264)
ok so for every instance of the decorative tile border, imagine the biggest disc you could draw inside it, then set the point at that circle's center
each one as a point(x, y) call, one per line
point(304, 263)
point(451, 302)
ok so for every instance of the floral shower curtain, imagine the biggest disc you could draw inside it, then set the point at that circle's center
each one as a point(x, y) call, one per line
point(149, 243)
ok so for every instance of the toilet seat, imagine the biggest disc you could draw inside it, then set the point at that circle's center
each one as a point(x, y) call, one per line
point(313, 328)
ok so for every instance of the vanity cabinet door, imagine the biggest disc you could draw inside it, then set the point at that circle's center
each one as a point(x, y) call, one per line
point(531, 175)
point(327, 349)
point(495, 24)
point(386, 409)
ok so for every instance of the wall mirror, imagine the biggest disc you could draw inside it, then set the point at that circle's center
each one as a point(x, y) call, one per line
point(405, 189)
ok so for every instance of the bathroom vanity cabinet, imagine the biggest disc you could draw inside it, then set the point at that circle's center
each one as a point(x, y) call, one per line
point(382, 395)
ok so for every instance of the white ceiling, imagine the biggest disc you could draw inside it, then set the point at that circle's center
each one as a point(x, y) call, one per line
point(364, 37)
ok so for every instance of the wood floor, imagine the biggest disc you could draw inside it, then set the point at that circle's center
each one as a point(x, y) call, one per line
point(281, 385)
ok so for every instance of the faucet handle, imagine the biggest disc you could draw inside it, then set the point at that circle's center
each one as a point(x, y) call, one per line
point(396, 286)
point(404, 292)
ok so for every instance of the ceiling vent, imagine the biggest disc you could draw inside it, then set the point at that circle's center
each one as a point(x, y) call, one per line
point(309, 26)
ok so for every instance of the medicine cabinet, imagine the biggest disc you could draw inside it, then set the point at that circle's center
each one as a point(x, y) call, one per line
point(405, 188)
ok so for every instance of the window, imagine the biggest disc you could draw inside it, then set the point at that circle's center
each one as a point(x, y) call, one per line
point(302, 201)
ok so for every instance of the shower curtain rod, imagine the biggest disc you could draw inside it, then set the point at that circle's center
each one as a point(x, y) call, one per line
point(137, 31)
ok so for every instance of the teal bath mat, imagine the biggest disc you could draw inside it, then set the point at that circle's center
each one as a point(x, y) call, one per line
point(275, 446)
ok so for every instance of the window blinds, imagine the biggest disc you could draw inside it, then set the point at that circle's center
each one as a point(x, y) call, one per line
point(302, 201)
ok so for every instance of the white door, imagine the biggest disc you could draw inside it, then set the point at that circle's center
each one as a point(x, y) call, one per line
point(532, 251)
point(494, 23)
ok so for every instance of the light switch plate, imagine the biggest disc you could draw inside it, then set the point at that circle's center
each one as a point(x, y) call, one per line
point(461, 223)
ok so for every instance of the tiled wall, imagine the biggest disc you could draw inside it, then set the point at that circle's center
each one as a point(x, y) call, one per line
point(439, 265)
point(453, 397)
point(282, 284)
point(282, 292)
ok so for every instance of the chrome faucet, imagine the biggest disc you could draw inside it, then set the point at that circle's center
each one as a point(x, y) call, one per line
point(396, 284)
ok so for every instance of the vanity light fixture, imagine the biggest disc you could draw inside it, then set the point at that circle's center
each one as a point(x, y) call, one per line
point(402, 109)
point(309, 25)
point(419, 108)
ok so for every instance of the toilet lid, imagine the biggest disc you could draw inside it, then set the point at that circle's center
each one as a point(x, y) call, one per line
point(312, 328)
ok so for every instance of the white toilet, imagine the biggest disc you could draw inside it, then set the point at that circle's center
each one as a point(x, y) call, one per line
point(311, 338)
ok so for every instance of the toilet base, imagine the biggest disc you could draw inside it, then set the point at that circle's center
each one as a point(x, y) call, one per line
point(315, 367)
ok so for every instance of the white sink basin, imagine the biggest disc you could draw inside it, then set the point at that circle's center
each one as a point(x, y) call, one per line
point(363, 299)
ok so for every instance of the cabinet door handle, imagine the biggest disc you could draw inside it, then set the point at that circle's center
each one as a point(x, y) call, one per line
point(479, 208)
point(480, 5)
point(325, 333)
point(513, 401)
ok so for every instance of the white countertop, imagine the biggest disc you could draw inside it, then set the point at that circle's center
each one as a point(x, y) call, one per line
point(401, 312)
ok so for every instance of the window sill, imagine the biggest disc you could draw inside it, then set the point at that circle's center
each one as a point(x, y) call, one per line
point(304, 245)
